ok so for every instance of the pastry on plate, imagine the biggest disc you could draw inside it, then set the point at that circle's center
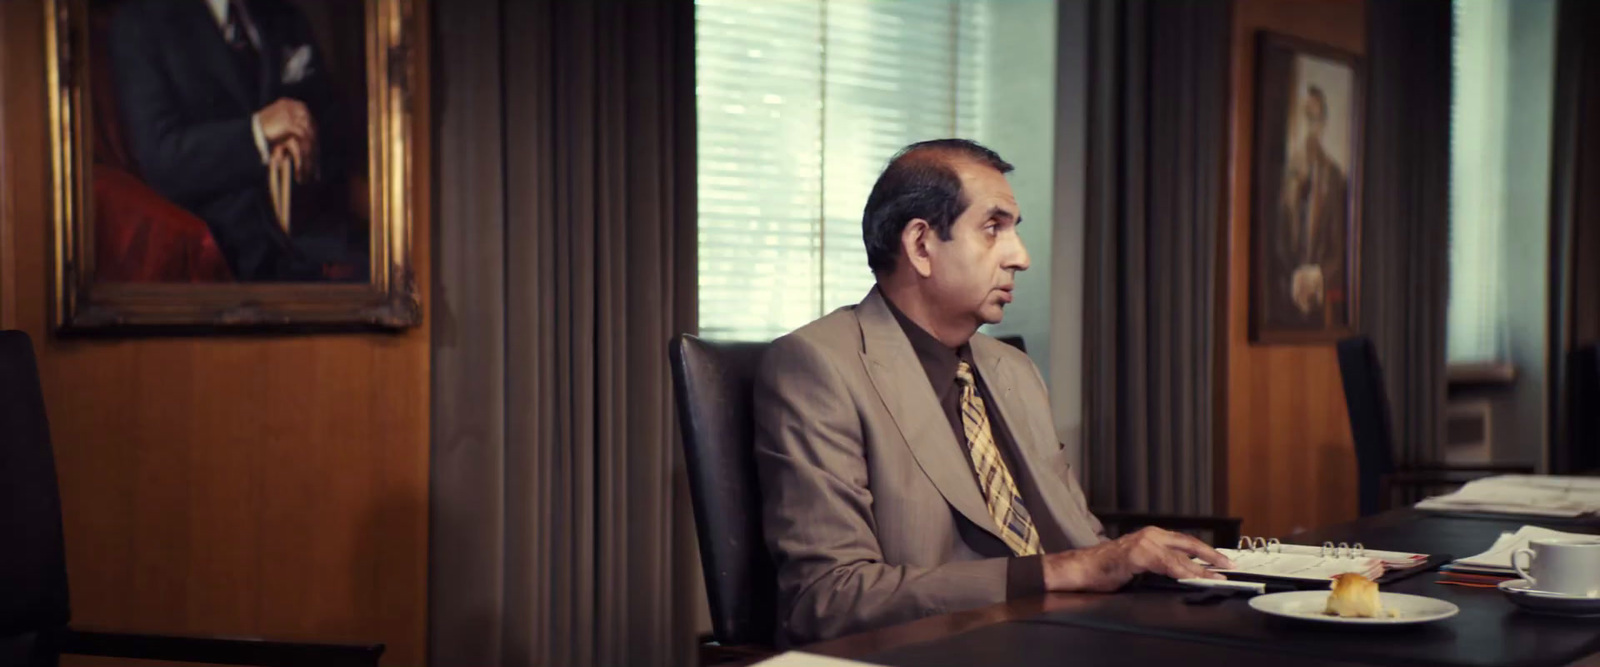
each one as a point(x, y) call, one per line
point(1354, 596)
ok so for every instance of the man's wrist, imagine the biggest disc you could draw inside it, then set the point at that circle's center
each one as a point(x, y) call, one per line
point(1073, 570)
point(1059, 572)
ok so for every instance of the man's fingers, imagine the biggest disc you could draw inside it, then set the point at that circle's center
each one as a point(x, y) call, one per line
point(1193, 547)
point(308, 125)
point(302, 130)
point(1180, 567)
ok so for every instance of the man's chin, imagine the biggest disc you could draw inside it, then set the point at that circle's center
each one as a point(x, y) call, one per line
point(992, 313)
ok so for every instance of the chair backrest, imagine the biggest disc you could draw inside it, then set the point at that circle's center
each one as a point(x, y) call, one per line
point(1582, 453)
point(713, 382)
point(33, 565)
point(1368, 404)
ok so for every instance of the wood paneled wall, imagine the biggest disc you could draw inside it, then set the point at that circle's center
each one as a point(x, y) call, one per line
point(251, 485)
point(1290, 460)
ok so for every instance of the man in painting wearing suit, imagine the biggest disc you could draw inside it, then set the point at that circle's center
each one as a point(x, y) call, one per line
point(208, 91)
point(908, 464)
point(1312, 208)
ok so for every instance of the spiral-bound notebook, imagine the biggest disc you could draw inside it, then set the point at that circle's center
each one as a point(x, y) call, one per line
point(1257, 557)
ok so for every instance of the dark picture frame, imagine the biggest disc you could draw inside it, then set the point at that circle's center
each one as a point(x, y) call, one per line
point(138, 252)
point(1305, 219)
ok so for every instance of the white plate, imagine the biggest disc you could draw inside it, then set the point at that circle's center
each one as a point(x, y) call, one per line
point(1309, 606)
point(1549, 601)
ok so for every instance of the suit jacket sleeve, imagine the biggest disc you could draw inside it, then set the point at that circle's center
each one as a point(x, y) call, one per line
point(820, 529)
point(181, 158)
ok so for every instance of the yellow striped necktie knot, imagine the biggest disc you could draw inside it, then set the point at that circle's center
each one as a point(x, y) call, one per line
point(964, 374)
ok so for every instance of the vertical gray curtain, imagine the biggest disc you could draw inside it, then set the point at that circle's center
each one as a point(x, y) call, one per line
point(565, 261)
point(1157, 145)
point(1405, 226)
point(1575, 237)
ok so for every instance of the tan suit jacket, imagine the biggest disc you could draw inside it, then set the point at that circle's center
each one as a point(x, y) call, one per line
point(867, 492)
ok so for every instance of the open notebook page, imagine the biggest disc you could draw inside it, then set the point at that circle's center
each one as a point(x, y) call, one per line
point(1397, 559)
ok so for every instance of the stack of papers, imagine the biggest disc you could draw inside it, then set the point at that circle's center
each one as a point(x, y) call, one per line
point(1523, 494)
point(1497, 560)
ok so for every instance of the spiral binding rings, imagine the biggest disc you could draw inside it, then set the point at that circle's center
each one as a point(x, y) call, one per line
point(1340, 550)
point(1260, 544)
point(1343, 550)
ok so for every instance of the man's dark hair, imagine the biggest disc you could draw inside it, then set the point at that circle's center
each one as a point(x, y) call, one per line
point(920, 182)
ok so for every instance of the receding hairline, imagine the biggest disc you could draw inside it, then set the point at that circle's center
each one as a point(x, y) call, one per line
point(943, 156)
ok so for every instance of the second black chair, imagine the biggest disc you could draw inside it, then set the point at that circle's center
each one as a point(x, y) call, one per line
point(1370, 425)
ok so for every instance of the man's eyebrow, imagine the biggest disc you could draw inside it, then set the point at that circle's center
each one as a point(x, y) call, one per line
point(997, 212)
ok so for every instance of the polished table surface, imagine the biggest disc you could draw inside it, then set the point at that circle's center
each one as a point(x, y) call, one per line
point(1149, 626)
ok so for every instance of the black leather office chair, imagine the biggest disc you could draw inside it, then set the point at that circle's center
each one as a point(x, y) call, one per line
point(34, 609)
point(1582, 453)
point(1370, 425)
point(713, 382)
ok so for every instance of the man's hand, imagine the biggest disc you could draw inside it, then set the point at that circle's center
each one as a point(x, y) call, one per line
point(286, 118)
point(1306, 287)
point(292, 150)
point(1108, 566)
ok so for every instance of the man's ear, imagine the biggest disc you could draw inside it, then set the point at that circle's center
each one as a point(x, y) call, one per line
point(917, 241)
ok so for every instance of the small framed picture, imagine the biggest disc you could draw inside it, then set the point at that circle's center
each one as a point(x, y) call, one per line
point(1305, 222)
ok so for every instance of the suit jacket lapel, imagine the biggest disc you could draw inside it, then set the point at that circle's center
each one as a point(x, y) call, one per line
point(216, 55)
point(901, 383)
point(996, 373)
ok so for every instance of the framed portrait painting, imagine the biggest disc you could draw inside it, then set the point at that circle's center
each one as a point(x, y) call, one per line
point(1305, 220)
point(231, 164)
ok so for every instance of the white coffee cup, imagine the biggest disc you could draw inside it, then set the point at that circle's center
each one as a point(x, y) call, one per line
point(1561, 565)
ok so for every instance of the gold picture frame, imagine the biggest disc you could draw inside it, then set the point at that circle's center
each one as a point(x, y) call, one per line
point(86, 301)
point(1305, 220)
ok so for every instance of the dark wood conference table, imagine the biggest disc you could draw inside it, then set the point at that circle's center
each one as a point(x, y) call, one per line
point(1142, 627)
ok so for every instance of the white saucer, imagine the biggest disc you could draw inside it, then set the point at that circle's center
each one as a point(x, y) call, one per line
point(1309, 606)
point(1549, 602)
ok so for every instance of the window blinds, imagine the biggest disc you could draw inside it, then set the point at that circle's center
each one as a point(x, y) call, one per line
point(800, 103)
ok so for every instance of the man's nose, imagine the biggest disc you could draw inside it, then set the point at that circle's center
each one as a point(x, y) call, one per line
point(1018, 259)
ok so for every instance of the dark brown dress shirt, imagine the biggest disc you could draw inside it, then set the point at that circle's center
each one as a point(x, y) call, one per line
point(1025, 574)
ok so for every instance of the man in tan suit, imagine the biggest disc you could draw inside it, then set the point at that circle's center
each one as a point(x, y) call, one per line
point(908, 464)
point(1313, 207)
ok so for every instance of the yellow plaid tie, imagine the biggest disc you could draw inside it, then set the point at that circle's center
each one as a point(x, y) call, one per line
point(999, 490)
